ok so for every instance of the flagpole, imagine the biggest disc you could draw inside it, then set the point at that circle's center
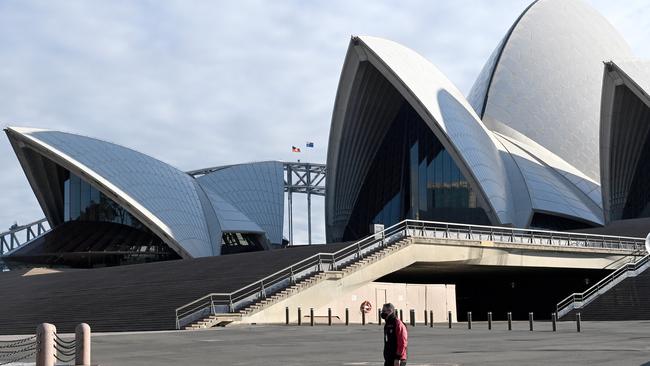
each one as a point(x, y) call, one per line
point(309, 203)
point(289, 176)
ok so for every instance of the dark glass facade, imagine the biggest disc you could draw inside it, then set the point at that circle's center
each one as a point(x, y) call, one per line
point(629, 183)
point(240, 243)
point(551, 222)
point(413, 176)
point(83, 202)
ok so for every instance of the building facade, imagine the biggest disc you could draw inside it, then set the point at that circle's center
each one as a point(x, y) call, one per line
point(521, 150)
point(110, 205)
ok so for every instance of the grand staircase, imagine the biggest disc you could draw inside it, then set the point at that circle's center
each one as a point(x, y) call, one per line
point(622, 295)
point(302, 284)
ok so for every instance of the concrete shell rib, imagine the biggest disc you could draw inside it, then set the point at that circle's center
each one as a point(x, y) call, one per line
point(440, 105)
point(625, 126)
point(163, 198)
point(542, 85)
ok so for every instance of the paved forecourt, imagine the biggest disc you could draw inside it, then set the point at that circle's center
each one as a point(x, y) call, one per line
point(602, 343)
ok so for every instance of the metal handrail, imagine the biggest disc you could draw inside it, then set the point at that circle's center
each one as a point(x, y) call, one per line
point(414, 228)
point(289, 274)
point(588, 295)
point(11, 240)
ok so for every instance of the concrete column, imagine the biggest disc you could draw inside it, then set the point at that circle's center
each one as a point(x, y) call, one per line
point(82, 344)
point(46, 351)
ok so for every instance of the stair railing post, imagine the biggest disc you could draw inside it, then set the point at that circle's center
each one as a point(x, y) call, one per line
point(334, 266)
point(231, 305)
point(292, 279)
point(358, 250)
point(263, 290)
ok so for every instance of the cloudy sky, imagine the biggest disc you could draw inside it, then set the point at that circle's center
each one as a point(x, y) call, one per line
point(203, 83)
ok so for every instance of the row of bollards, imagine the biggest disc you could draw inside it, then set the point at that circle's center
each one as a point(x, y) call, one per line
point(428, 320)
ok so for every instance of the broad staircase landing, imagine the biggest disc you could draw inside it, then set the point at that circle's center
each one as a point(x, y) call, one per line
point(134, 297)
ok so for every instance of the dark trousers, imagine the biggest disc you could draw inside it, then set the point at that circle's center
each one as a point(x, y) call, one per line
point(392, 362)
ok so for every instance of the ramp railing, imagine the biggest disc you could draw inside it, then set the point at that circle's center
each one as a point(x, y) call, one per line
point(18, 236)
point(216, 303)
point(581, 299)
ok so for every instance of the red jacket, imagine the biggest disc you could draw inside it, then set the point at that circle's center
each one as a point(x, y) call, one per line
point(395, 340)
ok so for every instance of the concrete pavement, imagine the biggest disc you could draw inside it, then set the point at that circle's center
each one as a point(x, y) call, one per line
point(600, 343)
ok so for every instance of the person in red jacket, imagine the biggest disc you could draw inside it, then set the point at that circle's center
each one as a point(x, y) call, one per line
point(395, 337)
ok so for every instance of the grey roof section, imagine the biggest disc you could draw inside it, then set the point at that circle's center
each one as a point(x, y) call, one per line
point(549, 191)
point(230, 218)
point(161, 196)
point(256, 191)
point(547, 81)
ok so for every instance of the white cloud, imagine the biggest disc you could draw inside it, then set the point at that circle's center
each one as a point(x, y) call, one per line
point(201, 83)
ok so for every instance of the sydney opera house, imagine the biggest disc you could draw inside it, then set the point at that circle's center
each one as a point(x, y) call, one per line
point(529, 195)
point(554, 134)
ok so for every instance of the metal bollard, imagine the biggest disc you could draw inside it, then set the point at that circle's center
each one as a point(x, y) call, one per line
point(299, 316)
point(311, 317)
point(412, 316)
point(379, 317)
point(426, 319)
point(431, 318)
point(45, 339)
point(286, 315)
point(554, 321)
point(329, 316)
point(82, 340)
point(530, 321)
point(347, 316)
point(363, 318)
point(449, 318)
point(489, 320)
point(401, 315)
point(509, 321)
point(578, 322)
point(469, 320)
